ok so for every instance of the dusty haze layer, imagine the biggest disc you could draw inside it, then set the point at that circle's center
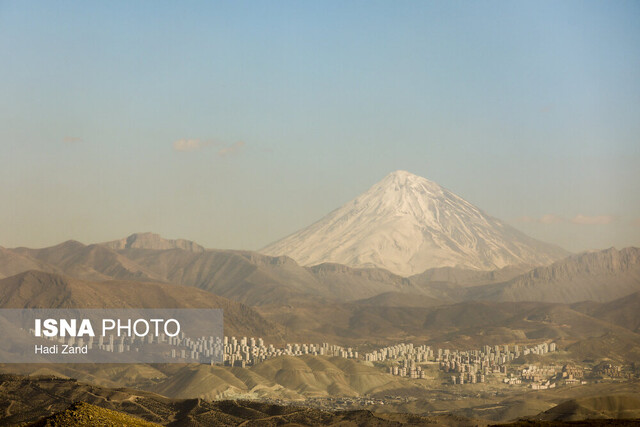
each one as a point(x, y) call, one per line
point(407, 224)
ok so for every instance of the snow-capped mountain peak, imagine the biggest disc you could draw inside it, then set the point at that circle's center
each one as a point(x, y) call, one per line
point(407, 224)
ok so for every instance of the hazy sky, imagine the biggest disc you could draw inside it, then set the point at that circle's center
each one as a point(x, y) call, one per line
point(236, 123)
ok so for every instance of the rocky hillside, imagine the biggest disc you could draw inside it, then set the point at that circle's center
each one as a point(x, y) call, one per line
point(596, 276)
point(36, 289)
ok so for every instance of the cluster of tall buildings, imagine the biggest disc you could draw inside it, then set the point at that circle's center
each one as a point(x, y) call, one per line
point(468, 378)
point(202, 349)
point(469, 366)
point(499, 354)
point(408, 369)
point(612, 371)
point(250, 351)
point(472, 365)
point(539, 373)
point(545, 377)
point(401, 351)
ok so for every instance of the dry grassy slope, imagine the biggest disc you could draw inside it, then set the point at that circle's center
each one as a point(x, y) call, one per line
point(399, 299)
point(36, 289)
point(100, 374)
point(619, 406)
point(623, 312)
point(92, 262)
point(12, 263)
point(201, 381)
point(84, 414)
point(597, 276)
point(556, 396)
point(482, 402)
point(618, 345)
point(462, 324)
point(347, 324)
point(283, 377)
point(27, 400)
point(468, 403)
point(516, 322)
point(531, 317)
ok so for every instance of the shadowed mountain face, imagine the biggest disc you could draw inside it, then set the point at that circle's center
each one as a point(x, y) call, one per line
point(597, 276)
point(407, 224)
point(36, 289)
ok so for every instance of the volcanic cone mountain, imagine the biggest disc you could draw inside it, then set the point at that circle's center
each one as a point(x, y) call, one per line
point(407, 224)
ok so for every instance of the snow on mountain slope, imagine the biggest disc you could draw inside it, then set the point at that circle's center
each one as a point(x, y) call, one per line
point(407, 224)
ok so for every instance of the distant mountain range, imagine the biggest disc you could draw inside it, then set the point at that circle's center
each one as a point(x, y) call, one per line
point(408, 224)
point(245, 276)
point(256, 279)
point(343, 304)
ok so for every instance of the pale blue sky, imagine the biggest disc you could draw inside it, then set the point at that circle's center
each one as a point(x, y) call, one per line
point(525, 109)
